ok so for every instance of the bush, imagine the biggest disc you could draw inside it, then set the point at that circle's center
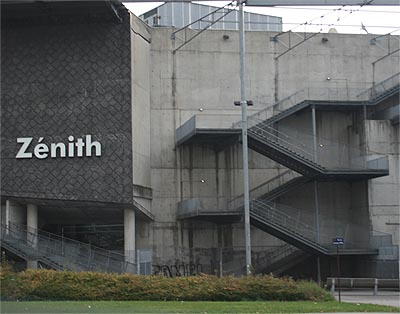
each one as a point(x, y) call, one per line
point(311, 291)
point(76, 286)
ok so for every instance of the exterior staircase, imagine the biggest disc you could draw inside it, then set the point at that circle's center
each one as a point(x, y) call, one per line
point(280, 260)
point(61, 253)
point(300, 156)
point(269, 218)
point(285, 223)
point(279, 185)
point(265, 137)
point(383, 90)
point(282, 183)
point(274, 260)
point(285, 188)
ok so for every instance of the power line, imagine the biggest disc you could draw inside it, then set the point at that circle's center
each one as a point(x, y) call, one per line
point(340, 17)
point(346, 25)
point(319, 17)
point(325, 9)
point(317, 24)
point(351, 11)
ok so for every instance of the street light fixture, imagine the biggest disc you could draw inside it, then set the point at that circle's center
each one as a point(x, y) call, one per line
point(243, 103)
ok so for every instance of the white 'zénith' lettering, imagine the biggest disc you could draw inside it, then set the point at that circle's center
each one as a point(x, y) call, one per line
point(83, 147)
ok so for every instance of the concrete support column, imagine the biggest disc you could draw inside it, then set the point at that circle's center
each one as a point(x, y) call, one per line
point(129, 236)
point(14, 213)
point(220, 248)
point(32, 227)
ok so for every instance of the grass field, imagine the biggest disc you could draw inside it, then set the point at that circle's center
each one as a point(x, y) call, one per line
point(189, 307)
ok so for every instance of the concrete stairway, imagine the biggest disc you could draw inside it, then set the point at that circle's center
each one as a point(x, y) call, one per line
point(61, 253)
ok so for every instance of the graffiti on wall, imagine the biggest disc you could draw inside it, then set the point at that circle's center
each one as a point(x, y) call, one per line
point(178, 270)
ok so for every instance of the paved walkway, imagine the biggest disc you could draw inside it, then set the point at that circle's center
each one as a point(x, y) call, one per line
point(391, 298)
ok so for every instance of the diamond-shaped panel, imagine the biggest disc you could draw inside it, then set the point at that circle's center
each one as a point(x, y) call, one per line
point(67, 79)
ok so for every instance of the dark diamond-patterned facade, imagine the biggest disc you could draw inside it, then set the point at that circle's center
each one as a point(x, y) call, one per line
point(62, 79)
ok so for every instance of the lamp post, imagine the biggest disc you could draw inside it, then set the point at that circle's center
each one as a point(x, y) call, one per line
point(243, 104)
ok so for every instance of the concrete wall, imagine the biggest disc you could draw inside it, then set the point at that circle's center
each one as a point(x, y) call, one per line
point(140, 62)
point(383, 193)
point(201, 78)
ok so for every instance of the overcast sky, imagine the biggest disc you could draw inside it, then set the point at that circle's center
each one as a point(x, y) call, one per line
point(347, 19)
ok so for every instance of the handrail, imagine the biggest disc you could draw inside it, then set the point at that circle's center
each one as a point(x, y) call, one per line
point(269, 210)
point(70, 253)
point(286, 176)
point(274, 106)
point(268, 258)
point(308, 94)
point(335, 155)
point(290, 219)
point(268, 132)
point(373, 91)
point(279, 253)
point(278, 103)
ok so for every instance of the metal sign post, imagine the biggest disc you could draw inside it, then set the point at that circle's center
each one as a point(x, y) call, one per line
point(338, 242)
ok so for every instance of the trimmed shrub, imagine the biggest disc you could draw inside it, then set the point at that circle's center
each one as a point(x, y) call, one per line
point(311, 291)
point(79, 286)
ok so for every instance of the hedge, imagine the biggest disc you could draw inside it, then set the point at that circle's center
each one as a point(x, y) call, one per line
point(79, 286)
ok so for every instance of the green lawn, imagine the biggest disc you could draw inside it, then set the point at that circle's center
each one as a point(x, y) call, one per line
point(189, 307)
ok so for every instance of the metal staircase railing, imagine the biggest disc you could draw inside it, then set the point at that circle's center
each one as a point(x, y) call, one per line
point(276, 109)
point(283, 143)
point(382, 90)
point(60, 252)
point(283, 252)
point(292, 222)
point(263, 261)
point(274, 135)
point(271, 189)
point(302, 98)
point(271, 214)
point(330, 154)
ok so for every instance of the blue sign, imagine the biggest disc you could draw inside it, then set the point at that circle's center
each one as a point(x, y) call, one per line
point(338, 241)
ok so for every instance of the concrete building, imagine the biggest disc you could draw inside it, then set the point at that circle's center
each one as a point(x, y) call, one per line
point(180, 14)
point(153, 173)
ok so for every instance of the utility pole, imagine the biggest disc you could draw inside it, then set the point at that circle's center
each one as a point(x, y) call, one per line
point(243, 103)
